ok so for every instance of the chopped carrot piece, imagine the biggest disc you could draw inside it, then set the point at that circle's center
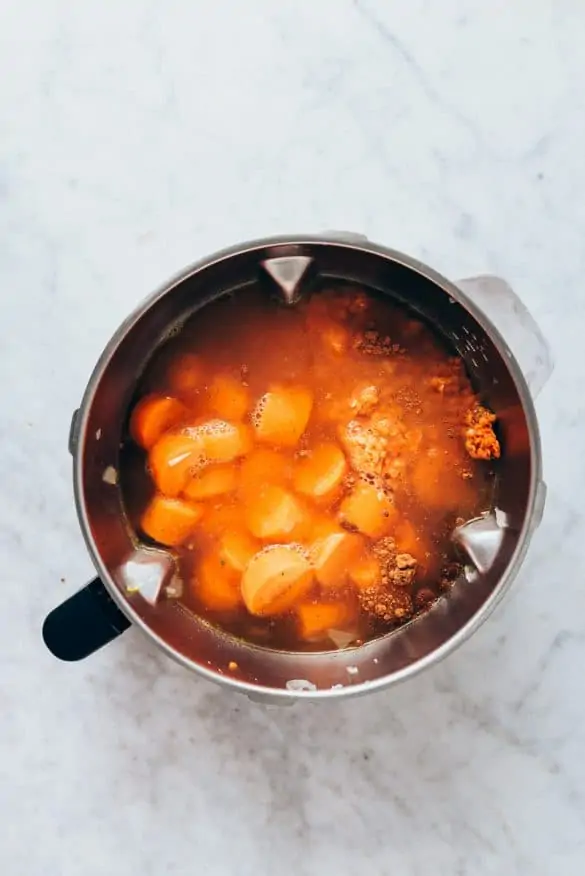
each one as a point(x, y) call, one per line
point(228, 399)
point(216, 585)
point(333, 555)
point(222, 441)
point(221, 519)
point(320, 474)
point(365, 573)
point(315, 618)
point(275, 514)
point(236, 549)
point(216, 480)
point(186, 376)
point(153, 416)
point(368, 509)
point(263, 466)
point(170, 521)
point(173, 460)
point(406, 539)
point(275, 579)
point(282, 414)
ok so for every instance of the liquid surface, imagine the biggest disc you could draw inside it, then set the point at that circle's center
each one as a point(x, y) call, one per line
point(307, 465)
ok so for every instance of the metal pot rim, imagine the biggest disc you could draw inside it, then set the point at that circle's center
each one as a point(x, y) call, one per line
point(532, 509)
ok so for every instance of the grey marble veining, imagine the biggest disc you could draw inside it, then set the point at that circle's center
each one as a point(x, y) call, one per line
point(139, 136)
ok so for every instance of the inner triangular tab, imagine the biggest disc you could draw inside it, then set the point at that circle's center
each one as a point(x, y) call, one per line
point(147, 572)
point(287, 272)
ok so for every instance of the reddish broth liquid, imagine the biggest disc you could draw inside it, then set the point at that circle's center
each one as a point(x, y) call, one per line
point(337, 345)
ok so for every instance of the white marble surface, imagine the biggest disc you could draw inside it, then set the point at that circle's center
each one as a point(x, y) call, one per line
point(137, 136)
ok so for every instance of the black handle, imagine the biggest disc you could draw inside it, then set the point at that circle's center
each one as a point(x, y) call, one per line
point(82, 624)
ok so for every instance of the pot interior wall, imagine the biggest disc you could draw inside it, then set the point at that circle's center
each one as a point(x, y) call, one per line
point(105, 414)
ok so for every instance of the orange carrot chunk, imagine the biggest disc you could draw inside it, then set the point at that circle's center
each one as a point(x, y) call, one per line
point(217, 480)
point(228, 399)
point(170, 521)
point(368, 509)
point(222, 441)
point(173, 460)
point(405, 537)
point(320, 474)
point(153, 416)
point(275, 514)
point(236, 549)
point(315, 618)
point(216, 585)
point(263, 466)
point(220, 519)
point(282, 414)
point(275, 579)
point(333, 555)
point(409, 541)
point(365, 573)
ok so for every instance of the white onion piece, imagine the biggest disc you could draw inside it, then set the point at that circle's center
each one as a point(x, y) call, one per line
point(110, 476)
point(300, 684)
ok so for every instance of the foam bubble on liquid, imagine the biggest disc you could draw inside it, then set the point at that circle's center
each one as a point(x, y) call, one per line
point(214, 427)
point(211, 428)
point(290, 546)
point(200, 462)
point(256, 415)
